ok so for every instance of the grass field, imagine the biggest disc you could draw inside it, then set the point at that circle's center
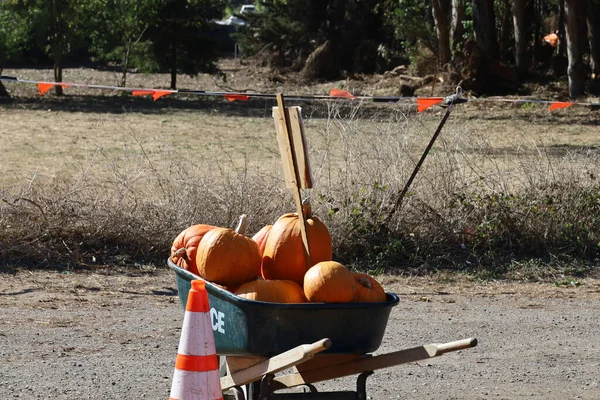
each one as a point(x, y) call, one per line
point(97, 178)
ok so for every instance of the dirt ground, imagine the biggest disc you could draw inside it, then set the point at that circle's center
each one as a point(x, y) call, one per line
point(100, 335)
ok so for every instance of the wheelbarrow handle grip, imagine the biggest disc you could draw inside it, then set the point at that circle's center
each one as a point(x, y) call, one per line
point(440, 348)
point(317, 346)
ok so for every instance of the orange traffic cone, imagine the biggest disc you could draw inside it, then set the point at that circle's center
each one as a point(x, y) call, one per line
point(196, 374)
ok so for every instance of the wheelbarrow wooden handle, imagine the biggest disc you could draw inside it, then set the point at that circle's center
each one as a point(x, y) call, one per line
point(274, 364)
point(370, 363)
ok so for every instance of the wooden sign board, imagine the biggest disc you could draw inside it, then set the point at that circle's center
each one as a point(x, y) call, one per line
point(297, 145)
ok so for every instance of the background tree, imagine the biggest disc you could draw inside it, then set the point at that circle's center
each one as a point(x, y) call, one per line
point(323, 39)
point(593, 24)
point(521, 37)
point(118, 29)
point(504, 30)
point(57, 25)
point(341, 35)
point(12, 37)
point(440, 12)
point(484, 27)
point(459, 14)
point(179, 36)
point(414, 25)
point(574, 17)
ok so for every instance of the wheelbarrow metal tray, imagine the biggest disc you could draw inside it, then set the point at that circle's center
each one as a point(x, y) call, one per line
point(254, 328)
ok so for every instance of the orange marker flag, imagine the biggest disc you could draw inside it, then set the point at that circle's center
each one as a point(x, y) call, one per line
point(141, 92)
point(234, 97)
point(560, 104)
point(43, 87)
point(156, 94)
point(341, 93)
point(423, 103)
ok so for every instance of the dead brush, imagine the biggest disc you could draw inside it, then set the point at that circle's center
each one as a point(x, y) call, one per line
point(125, 209)
point(474, 205)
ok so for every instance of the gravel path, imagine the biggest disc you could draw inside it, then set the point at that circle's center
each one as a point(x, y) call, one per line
point(115, 336)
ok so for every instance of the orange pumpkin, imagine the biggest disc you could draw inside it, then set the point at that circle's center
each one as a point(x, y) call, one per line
point(284, 256)
point(227, 257)
point(273, 291)
point(261, 236)
point(368, 290)
point(185, 245)
point(329, 282)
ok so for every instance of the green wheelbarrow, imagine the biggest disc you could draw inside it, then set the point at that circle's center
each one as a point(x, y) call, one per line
point(269, 347)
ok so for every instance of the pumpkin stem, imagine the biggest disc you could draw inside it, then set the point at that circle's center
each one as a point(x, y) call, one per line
point(180, 252)
point(242, 226)
point(365, 282)
point(306, 208)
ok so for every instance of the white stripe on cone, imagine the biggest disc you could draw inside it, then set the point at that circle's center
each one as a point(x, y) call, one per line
point(197, 335)
point(196, 385)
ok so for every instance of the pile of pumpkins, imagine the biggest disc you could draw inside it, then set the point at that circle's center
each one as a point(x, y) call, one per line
point(271, 266)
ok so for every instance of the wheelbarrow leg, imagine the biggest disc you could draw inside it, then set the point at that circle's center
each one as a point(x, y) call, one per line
point(250, 391)
point(266, 391)
point(361, 385)
point(254, 390)
point(238, 393)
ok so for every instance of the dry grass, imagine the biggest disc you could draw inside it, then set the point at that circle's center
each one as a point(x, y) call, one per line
point(95, 180)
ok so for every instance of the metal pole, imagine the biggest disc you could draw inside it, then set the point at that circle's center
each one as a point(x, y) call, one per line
point(449, 101)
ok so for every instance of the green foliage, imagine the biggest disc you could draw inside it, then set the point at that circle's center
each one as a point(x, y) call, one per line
point(57, 26)
point(12, 36)
point(117, 31)
point(411, 23)
point(368, 36)
point(178, 33)
point(118, 24)
point(479, 232)
point(286, 28)
point(140, 57)
point(501, 225)
point(290, 30)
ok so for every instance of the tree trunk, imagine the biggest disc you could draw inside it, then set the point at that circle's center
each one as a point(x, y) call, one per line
point(125, 63)
point(3, 91)
point(562, 35)
point(536, 29)
point(322, 63)
point(173, 66)
point(593, 22)
point(576, 69)
point(504, 31)
point(58, 70)
point(58, 44)
point(128, 47)
point(484, 27)
point(443, 31)
point(520, 29)
point(458, 16)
